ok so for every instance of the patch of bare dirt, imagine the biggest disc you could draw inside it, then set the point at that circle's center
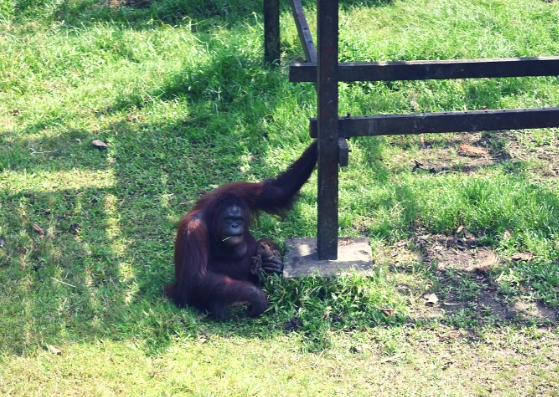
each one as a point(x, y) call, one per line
point(467, 273)
point(468, 153)
point(464, 287)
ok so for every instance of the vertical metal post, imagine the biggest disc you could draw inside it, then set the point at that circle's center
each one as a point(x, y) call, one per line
point(272, 31)
point(327, 85)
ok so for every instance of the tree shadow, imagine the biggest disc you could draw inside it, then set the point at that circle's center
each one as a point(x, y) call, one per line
point(106, 251)
point(200, 15)
point(103, 278)
point(23, 150)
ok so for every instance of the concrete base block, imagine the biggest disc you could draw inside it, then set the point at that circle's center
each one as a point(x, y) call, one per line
point(302, 258)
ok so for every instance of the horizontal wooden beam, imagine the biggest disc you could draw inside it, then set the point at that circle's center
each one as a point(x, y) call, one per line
point(424, 70)
point(478, 120)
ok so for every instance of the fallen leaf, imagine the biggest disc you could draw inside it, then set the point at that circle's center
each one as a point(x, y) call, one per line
point(418, 164)
point(394, 357)
point(415, 105)
point(387, 312)
point(460, 228)
point(54, 349)
point(431, 299)
point(38, 229)
point(472, 151)
point(524, 257)
point(453, 335)
point(346, 241)
point(491, 260)
point(99, 144)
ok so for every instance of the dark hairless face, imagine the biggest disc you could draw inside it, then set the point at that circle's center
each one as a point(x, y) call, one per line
point(231, 227)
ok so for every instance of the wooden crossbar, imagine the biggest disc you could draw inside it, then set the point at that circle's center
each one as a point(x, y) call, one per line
point(323, 69)
point(420, 123)
point(425, 70)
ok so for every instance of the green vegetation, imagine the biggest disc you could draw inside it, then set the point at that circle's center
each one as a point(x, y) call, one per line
point(181, 95)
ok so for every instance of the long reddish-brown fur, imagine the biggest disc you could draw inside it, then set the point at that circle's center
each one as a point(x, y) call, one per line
point(206, 277)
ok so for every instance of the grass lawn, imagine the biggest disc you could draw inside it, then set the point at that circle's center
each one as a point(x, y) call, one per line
point(179, 92)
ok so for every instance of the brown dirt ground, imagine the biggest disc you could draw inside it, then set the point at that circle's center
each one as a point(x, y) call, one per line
point(458, 258)
point(476, 151)
point(455, 259)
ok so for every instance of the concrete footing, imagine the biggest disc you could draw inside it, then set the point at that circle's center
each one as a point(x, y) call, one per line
point(302, 258)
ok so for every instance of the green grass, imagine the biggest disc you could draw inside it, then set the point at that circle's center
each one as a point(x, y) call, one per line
point(180, 93)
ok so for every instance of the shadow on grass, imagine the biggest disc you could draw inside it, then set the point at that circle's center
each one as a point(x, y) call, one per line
point(202, 15)
point(205, 14)
point(103, 278)
point(27, 150)
point(98, 269)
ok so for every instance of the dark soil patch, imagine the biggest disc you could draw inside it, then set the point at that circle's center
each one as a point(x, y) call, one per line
point(468, 153)
point(466, 293)
point(466, 274)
